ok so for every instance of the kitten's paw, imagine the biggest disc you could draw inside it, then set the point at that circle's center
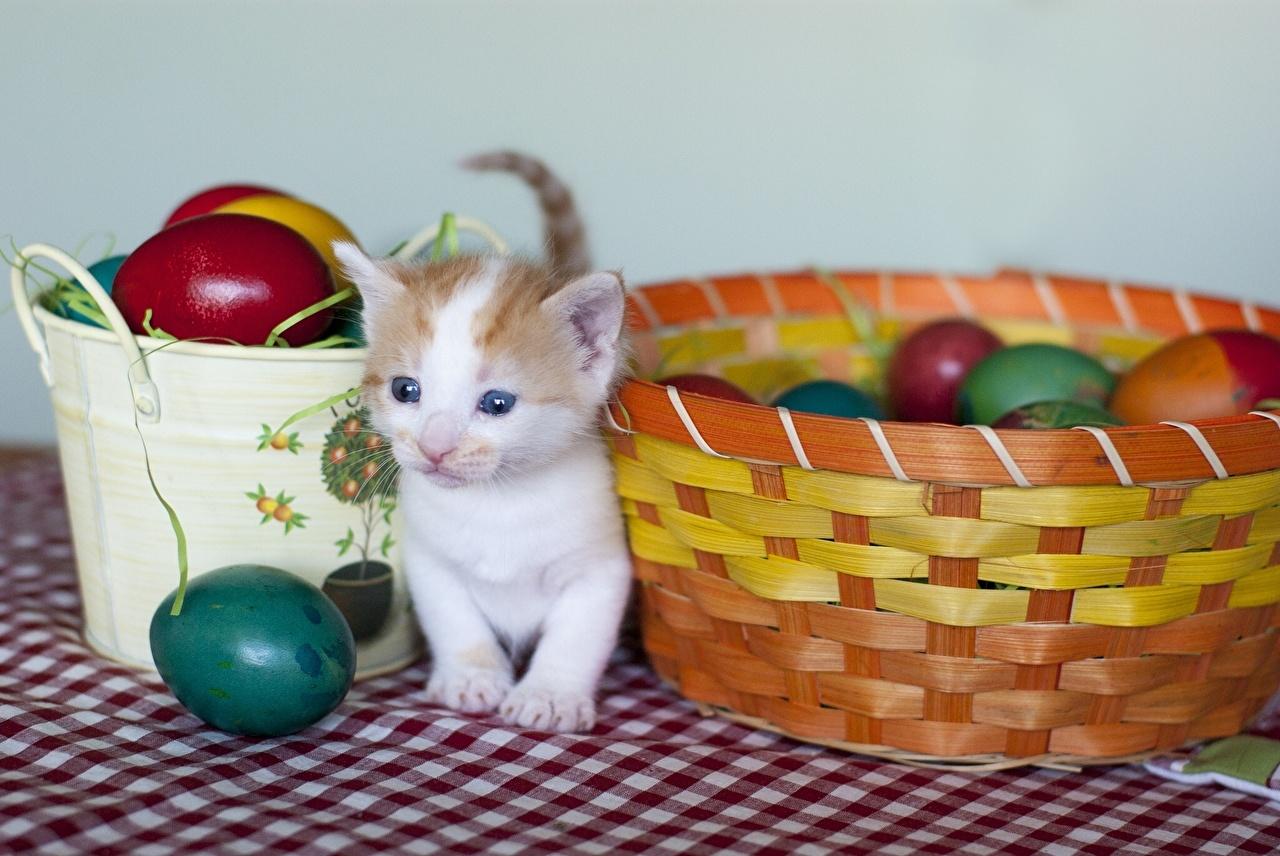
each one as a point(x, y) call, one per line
point(468, 690)
point(548, 710)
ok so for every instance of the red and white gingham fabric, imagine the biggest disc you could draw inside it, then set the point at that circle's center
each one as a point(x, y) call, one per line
point(97, 758)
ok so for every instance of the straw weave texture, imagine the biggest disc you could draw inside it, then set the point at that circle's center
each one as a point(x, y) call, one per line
point(945, 614)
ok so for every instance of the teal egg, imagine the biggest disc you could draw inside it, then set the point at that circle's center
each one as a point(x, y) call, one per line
point(1025, 374)
point(830, 398)
point(104, 271)
point(347, 322)
point(349, 327)
point(256, 651)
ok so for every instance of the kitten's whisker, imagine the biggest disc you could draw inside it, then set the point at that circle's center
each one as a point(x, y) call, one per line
point(380, 480)
point(363, 457)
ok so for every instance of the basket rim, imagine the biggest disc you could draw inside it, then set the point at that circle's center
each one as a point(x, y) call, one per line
point(146, 344)
point(1155, 454)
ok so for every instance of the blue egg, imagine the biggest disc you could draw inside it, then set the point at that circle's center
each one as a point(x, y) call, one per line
point(830, 398)
point(104, 272)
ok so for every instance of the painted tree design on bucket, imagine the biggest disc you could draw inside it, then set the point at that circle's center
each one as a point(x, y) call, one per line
point(359, 470)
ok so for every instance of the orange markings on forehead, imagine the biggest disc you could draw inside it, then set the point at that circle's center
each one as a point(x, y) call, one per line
point(513, 330)
point(399, 333)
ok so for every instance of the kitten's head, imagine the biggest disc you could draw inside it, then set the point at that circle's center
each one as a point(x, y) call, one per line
point(481, 368)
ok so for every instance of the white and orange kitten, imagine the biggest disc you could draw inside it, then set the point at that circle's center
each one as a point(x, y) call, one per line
point(488, 375)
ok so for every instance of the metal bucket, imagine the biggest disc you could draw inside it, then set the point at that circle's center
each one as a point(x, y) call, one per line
point(202, 409)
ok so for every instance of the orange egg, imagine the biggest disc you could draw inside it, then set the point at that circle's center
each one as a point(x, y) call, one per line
point(1220, 373)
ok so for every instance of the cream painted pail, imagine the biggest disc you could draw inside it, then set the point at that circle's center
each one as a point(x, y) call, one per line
point(204, 411)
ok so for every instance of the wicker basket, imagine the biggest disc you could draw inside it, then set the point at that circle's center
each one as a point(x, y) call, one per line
point(943, 594)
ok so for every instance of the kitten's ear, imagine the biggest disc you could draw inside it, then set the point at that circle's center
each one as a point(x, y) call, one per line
point(377, 286)
point(593, 306)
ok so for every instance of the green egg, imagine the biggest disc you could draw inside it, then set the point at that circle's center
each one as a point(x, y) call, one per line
point(256, 651)
point(1025, 374)
point(1057, 414)
point(830, 398)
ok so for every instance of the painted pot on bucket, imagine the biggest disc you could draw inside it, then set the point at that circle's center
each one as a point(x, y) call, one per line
point(243, 493)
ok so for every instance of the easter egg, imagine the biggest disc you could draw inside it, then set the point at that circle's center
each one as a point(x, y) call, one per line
point(104, 271)
point(348, 322)
point(1023, 374)
point(310, 221)
point(226, 276)
point(1219, 373)
point(1057, 414)
point(210, 198)
point(830, 398)
point(927, 368)
point(255, 651)
point(710, 385)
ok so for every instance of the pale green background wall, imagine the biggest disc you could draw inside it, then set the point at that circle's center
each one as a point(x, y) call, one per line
point(1131, 139)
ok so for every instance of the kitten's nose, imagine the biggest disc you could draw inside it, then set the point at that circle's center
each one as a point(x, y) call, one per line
point(435, 456)
point(438, 439)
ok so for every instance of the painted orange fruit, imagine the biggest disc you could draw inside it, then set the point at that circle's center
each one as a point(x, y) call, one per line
point(1202, 376)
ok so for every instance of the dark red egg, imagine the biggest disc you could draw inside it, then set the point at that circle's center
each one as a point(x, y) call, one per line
point(207, 200)
point(704, 384)
point(226, 276)
point(927, 369)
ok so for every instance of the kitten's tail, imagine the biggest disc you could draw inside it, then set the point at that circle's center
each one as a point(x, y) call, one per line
point(566, 237)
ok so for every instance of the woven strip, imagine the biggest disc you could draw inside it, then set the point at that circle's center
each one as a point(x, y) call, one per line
point(943, 595)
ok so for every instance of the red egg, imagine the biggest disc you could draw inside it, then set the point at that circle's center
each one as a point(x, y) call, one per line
point(229, 276)
point(704, 384)
point(928, 367)
point(1219, 373)
point(214, 197)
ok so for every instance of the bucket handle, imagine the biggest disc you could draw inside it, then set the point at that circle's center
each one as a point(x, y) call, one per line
point(418, 242)
point(146, 398)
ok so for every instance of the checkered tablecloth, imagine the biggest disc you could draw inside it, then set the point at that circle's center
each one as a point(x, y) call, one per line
point(97, 758)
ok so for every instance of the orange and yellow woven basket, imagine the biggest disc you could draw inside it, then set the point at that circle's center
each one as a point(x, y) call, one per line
point(945, 594)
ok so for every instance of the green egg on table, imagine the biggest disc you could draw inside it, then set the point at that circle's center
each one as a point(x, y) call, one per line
point(1025, 374)
point(830, 398)
point(255, 651)
point(74, 299)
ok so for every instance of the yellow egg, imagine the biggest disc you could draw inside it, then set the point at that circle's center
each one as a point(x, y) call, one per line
point(315, 224)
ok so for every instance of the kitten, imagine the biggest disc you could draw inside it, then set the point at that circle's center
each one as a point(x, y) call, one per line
point(488, 375)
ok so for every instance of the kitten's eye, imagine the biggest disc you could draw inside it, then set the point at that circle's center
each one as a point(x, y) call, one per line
point(405, 389)
point(496, 402)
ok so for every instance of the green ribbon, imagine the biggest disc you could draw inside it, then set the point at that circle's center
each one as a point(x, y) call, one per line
point(447, 239)
point(277, 331)
point(178, 532)
point(312, 410)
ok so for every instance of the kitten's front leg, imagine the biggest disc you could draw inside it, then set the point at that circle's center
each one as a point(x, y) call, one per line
point(579, 633)
point(470, 672)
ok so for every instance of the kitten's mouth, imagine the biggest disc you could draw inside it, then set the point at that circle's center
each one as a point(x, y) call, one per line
point(440, 477)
